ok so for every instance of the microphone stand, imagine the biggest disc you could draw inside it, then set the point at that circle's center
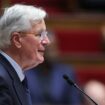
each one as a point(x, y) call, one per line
point(70, 82)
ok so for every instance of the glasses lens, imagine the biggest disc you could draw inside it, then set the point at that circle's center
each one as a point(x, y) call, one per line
point(43, 35)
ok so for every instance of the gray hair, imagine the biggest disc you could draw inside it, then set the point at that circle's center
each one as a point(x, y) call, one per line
point(18, 18)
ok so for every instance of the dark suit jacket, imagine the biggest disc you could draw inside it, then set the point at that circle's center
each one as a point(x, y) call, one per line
point(12, 91)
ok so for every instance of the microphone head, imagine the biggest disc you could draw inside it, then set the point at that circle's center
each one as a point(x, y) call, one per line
point(68, 79)
point(65, 77)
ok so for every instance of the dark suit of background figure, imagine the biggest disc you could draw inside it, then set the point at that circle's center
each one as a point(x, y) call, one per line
point(47, 85)
point(12, 91)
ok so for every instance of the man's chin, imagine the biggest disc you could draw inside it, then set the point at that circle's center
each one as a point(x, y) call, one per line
point(41, 60)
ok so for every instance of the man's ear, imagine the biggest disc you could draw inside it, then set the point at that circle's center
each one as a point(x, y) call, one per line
point(16, 39)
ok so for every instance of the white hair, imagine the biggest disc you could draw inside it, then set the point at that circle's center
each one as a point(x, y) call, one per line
point(18, 18)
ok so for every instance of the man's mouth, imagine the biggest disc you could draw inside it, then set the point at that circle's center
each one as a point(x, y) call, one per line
point(41, 51)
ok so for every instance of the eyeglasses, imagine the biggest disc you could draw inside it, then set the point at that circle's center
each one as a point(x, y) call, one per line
point(41, 35)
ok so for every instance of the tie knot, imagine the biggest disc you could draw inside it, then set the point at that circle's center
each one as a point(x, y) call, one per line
point(24, 82)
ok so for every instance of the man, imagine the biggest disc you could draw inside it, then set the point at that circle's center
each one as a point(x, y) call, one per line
point(23, 39)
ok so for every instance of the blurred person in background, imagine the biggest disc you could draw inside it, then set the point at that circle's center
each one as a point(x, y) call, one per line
point(46, 83)
point(23, 39)
point(96, 90)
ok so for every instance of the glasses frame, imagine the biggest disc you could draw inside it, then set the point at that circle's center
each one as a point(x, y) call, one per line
point(41, 35)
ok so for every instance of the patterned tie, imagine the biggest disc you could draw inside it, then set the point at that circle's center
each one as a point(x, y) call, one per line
point(25, 84)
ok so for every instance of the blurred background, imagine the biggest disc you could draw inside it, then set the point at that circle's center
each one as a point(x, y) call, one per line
point(79, 30)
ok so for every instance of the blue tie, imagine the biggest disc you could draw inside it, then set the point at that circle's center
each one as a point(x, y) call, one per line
point(25, 84)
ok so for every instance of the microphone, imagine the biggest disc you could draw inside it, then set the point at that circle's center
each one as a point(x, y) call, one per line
point(70, 82)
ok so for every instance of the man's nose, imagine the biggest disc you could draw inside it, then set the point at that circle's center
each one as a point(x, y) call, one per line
point(45, 40)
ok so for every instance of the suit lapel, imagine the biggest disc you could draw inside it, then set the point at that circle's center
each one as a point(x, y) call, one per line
point(17, 85)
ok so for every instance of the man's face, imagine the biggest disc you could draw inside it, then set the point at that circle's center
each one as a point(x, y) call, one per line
point(33, 45)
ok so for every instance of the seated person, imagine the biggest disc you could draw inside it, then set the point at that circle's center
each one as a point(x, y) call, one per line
point(47, 85)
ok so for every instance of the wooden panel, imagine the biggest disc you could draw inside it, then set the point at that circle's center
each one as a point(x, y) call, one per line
point(90, 73)
point(79, 40)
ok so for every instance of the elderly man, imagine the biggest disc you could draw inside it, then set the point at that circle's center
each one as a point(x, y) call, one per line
point(23, 38)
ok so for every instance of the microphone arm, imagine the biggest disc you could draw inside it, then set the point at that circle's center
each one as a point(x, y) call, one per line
point(70, 82)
